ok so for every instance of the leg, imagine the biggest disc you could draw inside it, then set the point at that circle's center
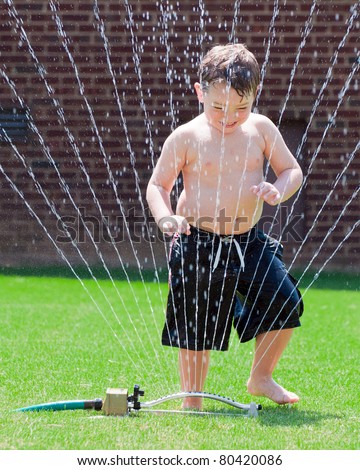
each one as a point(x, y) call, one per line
point(193, 366)
point(268, 350)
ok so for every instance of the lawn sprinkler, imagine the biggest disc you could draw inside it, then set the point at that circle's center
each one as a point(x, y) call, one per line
point(119, 403)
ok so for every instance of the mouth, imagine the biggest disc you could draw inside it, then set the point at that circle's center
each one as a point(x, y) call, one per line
point(229, 125)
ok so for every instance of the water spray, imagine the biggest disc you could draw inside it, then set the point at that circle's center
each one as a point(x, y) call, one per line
point(119, 403)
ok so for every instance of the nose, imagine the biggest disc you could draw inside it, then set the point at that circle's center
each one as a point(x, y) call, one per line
point(231, 116)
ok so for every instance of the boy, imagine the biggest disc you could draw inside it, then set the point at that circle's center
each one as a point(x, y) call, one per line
point(222, 267)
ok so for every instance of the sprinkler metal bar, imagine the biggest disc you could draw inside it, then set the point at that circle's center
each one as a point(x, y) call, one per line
point(118, 403)
point(227, 401)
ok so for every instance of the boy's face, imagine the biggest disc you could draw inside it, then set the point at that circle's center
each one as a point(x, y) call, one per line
point(224, 108)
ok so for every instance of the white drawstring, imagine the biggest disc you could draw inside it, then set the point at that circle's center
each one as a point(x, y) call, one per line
point(238, 249)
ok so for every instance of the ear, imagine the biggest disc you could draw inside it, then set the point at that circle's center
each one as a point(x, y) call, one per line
point(199, 92)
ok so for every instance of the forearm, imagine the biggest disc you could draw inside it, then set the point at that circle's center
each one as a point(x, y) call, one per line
point(288, 182)
point(159, 203)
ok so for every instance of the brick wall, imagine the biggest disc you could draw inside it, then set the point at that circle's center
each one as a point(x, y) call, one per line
point(97, 131)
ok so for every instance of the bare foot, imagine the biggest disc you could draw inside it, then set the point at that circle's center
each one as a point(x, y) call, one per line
point(192, 404)
point(267, 387)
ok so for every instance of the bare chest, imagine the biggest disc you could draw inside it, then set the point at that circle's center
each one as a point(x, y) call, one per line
point(231, 158)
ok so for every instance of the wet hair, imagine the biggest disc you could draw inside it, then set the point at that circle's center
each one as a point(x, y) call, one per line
point(232, 63)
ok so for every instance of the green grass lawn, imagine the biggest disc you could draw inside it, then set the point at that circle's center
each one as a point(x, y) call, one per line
point(59, 342)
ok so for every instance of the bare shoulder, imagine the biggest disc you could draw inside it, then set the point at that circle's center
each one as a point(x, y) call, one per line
point(182, 136)
point(268, 130)
point(188, 135)
point(178, 145)
point(275, 146)
point(263, 124)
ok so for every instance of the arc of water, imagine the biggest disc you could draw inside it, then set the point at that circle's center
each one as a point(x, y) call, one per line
point(341, 94)
point(61, 114)
point(350, 21)
point(232, 35)
point(66, 260)
point(123, 120)
point(328, 196)
point(271, 38)
point(165, 15)
point(310, 230)
point(263, 72)
point(324, 136)
point(331, 120)
point(202, 35)
point(128, 143)
point(276, 11)
point(272, 33)
point(138, 69)
point(354, 195)
point(136, 60)
point(355, 67)
point(330, 123)
point(42, 72)
point(346, 237)
point(65, 188)
point(110, 173)
point(307, 30)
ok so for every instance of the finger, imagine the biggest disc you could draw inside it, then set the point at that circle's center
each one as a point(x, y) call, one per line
point(262, 189)
point(265, 193)
point(257, 191)
point(276, 199)
point(273, 199)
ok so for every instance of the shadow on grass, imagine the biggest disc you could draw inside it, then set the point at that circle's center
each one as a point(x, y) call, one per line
point(292, 416)
point(275, 416)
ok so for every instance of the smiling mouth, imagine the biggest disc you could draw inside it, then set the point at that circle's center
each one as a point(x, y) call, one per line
point(229, 125)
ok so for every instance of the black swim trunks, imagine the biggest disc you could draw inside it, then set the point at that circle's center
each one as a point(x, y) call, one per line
point(217, 280)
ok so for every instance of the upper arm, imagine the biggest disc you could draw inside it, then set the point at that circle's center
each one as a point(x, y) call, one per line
point(171, 161)
point(276, 150)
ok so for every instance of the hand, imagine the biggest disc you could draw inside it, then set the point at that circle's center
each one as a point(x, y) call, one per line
point(267, 192)
point(174, 224)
